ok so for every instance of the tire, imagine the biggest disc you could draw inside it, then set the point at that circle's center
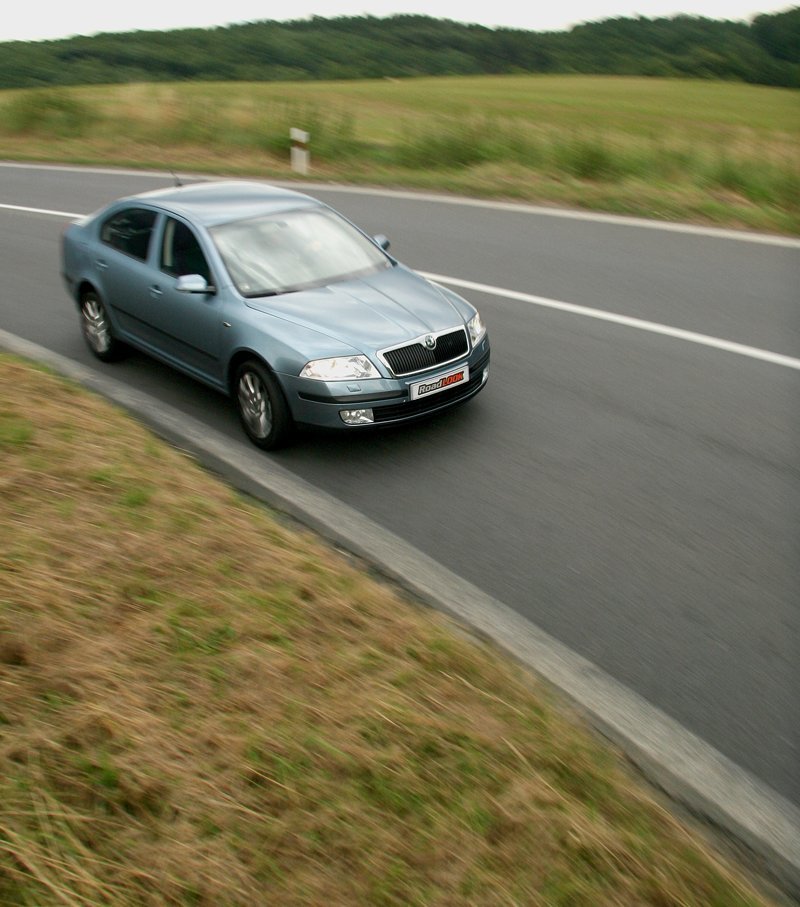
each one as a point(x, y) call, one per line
point(261, 405)
point(97, 328)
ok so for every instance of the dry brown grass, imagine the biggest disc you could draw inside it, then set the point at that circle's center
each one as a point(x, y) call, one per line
point(201, 705)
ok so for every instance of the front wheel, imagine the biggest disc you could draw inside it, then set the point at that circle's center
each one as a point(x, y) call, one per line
point(97, 328)
point(262, 407)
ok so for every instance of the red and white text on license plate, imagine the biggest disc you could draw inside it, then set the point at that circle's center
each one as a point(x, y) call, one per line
point(442, 383)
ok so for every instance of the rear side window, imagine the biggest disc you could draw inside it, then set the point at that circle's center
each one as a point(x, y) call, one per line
point(130, 231)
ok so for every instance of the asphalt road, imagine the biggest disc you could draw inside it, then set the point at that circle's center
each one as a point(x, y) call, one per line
point(635, 495)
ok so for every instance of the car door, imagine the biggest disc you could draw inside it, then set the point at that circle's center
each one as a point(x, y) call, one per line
point(187, 326)
point(122, 271)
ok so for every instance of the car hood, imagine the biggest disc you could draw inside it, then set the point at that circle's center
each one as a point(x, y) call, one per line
point(369, 313)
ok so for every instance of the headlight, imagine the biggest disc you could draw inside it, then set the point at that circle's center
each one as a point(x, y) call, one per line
point(476, 329)
point(341, 368)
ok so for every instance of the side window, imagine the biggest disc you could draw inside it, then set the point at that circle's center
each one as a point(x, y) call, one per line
point(130, 231)
point(181, 253)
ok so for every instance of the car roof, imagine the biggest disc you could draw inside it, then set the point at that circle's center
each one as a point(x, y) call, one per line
point(222, 201)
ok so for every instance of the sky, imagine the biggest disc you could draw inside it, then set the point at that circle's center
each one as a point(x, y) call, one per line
point(58, 19)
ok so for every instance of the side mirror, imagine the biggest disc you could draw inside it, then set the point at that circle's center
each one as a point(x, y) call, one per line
point(194, 283)
point(381, 241)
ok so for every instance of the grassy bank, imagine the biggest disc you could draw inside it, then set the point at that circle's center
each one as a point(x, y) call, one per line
point(712, 152)
point(200, 704)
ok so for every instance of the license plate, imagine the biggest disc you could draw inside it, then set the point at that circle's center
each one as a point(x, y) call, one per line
point(439, 384)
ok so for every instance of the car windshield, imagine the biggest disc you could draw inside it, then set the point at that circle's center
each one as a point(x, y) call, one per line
point(294, 250)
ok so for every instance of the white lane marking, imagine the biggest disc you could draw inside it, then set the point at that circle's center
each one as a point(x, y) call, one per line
point(40, 211)
point(619, 220)
point(103, 171)
point(651, 326)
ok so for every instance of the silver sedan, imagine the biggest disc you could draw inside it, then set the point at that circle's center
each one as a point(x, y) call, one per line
point(274, 298)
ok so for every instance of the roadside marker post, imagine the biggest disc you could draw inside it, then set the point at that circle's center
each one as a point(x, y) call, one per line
point(300, 154)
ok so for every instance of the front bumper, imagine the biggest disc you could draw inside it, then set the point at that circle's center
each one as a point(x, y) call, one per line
point(389, 399)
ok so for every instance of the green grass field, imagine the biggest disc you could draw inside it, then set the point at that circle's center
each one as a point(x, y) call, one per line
point(713, 152)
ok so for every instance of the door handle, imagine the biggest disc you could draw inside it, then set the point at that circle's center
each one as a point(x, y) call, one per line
point(101, 264)
point(156, 291)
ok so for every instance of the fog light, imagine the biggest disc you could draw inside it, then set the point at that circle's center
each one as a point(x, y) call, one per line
point(485, 375)
point(356, 416)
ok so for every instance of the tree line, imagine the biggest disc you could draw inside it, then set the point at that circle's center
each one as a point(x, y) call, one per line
point(765, 51)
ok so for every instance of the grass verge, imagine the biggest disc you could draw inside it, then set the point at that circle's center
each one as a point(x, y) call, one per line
point(708, 152)
point(200, 705)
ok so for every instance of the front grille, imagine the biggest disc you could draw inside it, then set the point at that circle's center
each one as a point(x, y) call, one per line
point(412, 408)
point(415, 357)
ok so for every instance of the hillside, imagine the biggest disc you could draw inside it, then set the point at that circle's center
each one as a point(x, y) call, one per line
point(765, 51)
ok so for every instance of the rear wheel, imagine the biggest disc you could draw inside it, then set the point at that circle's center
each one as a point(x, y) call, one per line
point(262, 407)
point(97, 328)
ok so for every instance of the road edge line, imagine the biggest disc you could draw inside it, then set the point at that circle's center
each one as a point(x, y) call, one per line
point(518, 207)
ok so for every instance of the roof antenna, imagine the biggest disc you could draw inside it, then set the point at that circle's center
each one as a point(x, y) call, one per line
point(178, 183)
